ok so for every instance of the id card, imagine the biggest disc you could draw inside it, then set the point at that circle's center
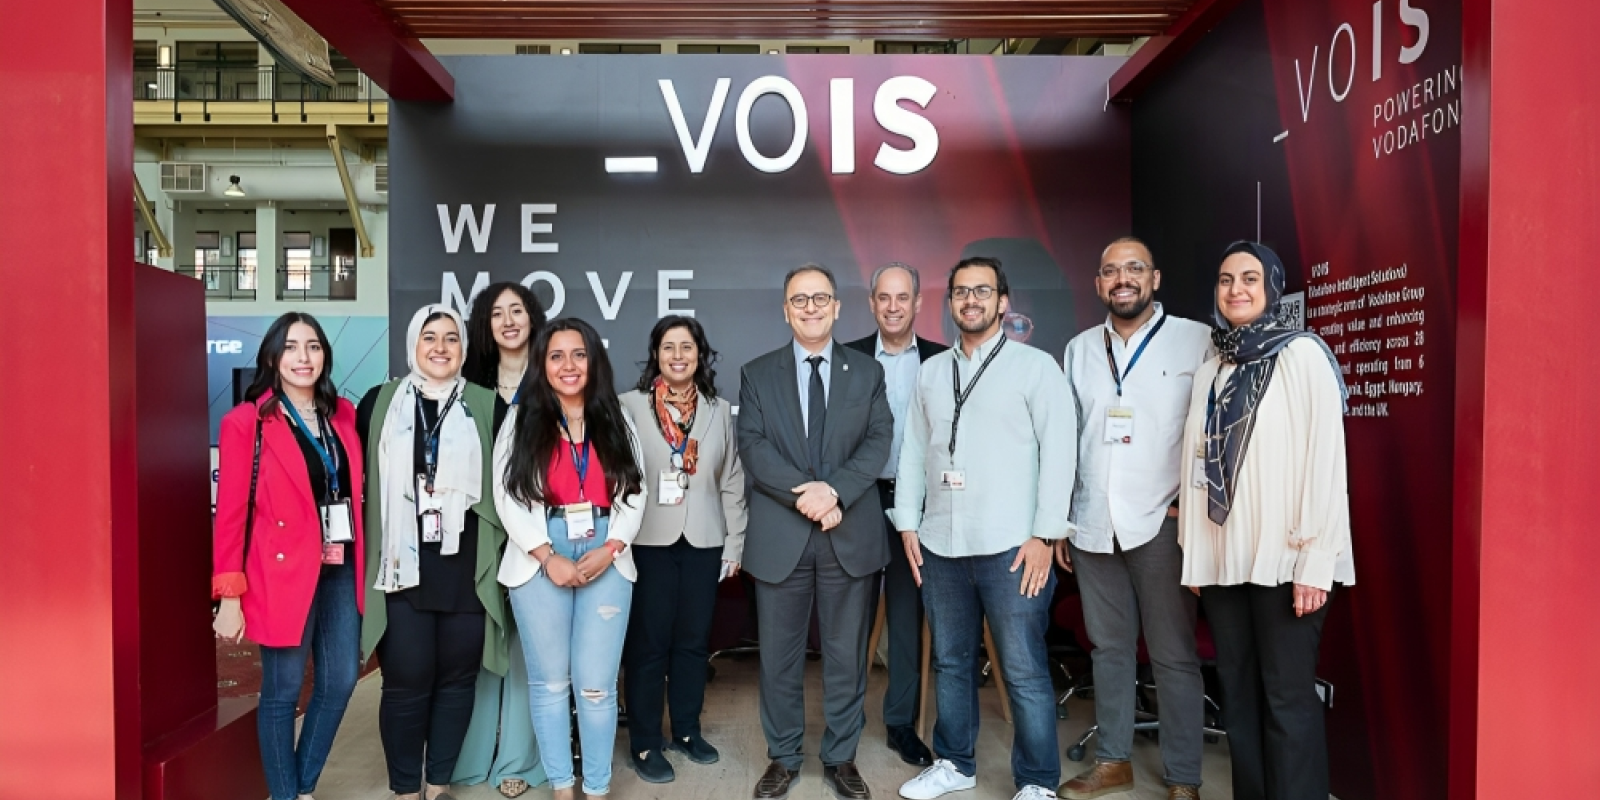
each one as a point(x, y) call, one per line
point(954, 480)
point(432, 527)
point(337, 523)
point(1198, 476)
point(426, 500)
point(671, 487)
point(580, 520)
point(333, 554)
point(1119, 425)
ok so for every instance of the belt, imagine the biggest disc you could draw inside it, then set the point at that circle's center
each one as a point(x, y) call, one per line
point(555, 512)
point(886, 484)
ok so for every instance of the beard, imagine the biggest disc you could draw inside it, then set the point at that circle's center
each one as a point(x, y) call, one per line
point(1132, 308)
point(984, 322)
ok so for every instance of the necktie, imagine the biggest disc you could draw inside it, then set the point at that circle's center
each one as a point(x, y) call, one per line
point(816, 413)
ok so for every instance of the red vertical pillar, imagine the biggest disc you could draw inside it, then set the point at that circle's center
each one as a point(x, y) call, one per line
point(1525, 684)
point(67, 516)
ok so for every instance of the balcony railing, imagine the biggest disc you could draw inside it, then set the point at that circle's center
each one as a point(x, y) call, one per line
point(297, 282)
point(286, 90)
point(223, 282)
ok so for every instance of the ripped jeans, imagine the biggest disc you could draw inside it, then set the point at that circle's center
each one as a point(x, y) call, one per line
point(572, 640)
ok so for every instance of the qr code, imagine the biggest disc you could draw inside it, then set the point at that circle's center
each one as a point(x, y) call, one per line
point(1293, 310)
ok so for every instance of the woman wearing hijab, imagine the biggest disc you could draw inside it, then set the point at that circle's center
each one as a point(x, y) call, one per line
point(1265, 524)
point(692, 537)
point(569, 487)
point(434, 614)
point(500, 746)
point(287, 549)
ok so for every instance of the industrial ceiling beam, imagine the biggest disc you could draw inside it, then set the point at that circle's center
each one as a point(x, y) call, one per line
point(163, 244)
point(1163, 51)
point(381, 45)
point(339, 142)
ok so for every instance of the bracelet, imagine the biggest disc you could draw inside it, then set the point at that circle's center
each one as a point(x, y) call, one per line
point(617, 550)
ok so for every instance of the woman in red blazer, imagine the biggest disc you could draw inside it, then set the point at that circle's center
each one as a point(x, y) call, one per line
point(288, 546)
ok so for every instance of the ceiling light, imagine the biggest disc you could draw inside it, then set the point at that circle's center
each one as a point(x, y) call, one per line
point(234, 189)
point(566, 51)
point(772, 52)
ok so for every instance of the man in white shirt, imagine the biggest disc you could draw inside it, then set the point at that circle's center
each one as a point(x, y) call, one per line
point(1131, 378)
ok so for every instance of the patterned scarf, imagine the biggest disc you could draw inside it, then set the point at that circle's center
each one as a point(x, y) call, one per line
point(1254, 348)
point(672, 430)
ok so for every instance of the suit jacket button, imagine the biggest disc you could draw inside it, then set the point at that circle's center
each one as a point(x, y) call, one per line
point(280, 556)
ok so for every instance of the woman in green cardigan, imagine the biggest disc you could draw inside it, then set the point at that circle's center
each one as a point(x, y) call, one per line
point(435, 613)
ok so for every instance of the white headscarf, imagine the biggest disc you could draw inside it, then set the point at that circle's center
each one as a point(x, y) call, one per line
point(459, 474)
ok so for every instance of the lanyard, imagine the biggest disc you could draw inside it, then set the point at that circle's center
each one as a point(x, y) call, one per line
point(1112, 362)
point(679, 448)
point(960, 396)
point(330, 459)
point(430, 444)
point(580, 461)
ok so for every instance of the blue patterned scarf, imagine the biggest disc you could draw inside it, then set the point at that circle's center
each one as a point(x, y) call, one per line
point(1254, 348)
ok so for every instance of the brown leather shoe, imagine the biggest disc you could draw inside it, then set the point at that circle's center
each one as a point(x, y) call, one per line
point(1105, 777)
point(846, 782)
point(1183, 793)
point(775, 782)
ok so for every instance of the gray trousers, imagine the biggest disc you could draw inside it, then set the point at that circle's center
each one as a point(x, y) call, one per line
point(902, 625)
point(1121, 590)
point(783, 612)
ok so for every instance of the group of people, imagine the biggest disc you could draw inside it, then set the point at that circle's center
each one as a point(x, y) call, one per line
point(506, 533)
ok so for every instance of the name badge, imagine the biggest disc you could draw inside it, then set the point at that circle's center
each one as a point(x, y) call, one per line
point(426, 500)
point(337, 524)
point(580, 520)
point(671, 488)
point(432, 527)
point(333, 554)
point(1119, 425)
point(954, 480)
point(1198, 476)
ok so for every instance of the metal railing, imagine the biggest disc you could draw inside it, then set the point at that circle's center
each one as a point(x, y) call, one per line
point(223, 282)
point(320, 282)
point(284, 89)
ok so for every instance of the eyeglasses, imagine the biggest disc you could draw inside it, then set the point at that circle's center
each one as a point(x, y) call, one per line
point(980, 292)
point(820, 300)
point(1133, 269)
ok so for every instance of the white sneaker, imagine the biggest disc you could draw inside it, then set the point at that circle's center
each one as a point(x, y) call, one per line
point(1035, 793)
point(937, 781)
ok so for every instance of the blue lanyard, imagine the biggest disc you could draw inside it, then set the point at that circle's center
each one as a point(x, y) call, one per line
point(329, 462)
point(1112, 362)
point(579, 460)
point(430, 445)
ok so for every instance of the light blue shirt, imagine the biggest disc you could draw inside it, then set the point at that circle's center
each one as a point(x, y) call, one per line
point(802, 371)
point(900, 378)
point(1017, 450)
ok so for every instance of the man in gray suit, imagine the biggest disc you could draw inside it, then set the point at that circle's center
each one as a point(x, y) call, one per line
point(814, 434)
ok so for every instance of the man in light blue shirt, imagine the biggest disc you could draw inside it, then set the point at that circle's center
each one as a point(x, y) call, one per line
point(983, 490)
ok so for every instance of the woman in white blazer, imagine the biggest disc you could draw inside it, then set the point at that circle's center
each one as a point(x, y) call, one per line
point(570, 492)
point(692, 537)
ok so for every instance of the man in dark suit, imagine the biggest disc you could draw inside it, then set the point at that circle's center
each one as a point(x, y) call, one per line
point(814, 434)
point(895, 296)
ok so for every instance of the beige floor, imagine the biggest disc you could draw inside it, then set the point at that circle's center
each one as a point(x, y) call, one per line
point(356, 769)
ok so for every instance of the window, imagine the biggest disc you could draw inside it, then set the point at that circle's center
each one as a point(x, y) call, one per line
point(914, 48)
point(533, 49)
point(602, 49)
point(820, 49)
point(297, 262)
point(208, 254)
point(217, 70)
point(246, 278)
point(719, 49)
point(151, 252)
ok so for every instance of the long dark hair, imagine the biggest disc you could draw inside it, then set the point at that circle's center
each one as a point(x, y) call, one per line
point(705, 376)
point(273, 344)
point(483, 352)
point(539, 420)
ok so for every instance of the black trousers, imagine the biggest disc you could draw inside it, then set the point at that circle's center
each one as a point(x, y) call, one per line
point(669, 635)
point(1267, 666)
point(902, 624)
point(430, 671)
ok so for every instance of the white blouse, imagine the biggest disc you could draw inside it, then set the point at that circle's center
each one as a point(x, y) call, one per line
point(1290, 520)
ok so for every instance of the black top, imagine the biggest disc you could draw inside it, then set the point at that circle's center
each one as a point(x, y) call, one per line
point(320, 487)
point(446, 583)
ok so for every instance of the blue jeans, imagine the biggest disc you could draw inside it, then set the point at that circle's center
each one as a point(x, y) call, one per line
point(567, 633)
point(958, 594)
point(333, 636)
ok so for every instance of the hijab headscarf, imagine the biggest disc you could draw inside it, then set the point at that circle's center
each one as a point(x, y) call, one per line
point(1254, 348)
point(458, 479)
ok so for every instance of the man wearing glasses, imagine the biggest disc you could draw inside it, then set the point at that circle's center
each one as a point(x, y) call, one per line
point(814, 433)
point(980, 501)
point(1131, 379)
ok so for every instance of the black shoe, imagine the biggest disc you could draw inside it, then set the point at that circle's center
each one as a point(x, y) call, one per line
point(695, 748)
point(903, 740)
point(652, 767)
point(775, 782)
point(846, 782)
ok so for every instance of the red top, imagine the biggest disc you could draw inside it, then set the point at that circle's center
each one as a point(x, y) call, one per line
point(563, 477)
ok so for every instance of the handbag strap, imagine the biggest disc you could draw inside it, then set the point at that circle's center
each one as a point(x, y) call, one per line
point(250, 507)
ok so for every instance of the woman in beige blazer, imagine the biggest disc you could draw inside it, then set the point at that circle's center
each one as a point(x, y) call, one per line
point(691, 538)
